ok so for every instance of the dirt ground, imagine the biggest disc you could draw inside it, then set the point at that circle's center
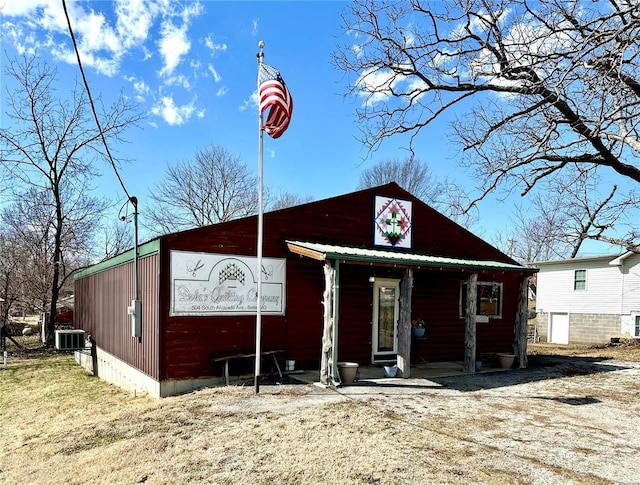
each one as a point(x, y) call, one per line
point(571, 418)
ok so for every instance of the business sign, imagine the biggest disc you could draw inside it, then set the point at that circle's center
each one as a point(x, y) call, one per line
point(392, 221)
point(207, 284)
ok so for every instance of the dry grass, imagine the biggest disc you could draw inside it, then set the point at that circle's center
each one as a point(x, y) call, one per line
point(628, 349)
point(61, 426)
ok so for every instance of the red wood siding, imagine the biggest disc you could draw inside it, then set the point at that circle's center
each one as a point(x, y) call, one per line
point(101, 301)
point(183, 347)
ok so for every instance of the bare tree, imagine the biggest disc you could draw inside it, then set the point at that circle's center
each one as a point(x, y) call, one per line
point(12, 275)
point(544, 86)
point(415, 177)
point(284, 199)
point(51, 145)
point(411, 174)
point(559, 220)
point(215, 186)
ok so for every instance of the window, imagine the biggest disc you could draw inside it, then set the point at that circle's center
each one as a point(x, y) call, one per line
point(488, 299)
point(580, 279)
point(636, 327)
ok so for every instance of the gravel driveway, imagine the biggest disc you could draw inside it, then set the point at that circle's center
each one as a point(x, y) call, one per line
point(563, 419)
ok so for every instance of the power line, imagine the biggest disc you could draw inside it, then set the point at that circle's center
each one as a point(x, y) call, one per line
point(93, 108)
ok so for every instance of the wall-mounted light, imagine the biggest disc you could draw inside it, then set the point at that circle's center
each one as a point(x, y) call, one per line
point(372, 279)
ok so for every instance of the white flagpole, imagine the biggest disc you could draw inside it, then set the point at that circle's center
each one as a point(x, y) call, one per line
point(260, 56)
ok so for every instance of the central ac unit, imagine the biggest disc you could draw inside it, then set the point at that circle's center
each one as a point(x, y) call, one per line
point(70, 339)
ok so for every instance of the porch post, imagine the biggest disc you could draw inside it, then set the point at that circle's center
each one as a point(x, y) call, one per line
point(470, 325)
point(335, 290)
point(404, 324)
point(522, 317)
point(327, 334)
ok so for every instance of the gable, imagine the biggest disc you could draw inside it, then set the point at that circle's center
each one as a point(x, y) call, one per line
point(347, 220)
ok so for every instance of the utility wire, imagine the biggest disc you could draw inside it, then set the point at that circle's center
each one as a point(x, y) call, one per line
point(93, 108)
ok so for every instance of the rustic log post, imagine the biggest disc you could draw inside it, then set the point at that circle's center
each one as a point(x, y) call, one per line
point(520, 328)
point(327, 334)
point(404, 324)
point(470, 325)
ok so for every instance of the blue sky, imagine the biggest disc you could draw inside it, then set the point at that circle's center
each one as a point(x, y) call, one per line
point(192, 68)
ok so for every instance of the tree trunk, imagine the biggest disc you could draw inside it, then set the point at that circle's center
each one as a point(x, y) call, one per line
point(57, 263)
point(327, 334)
point(404, 324)
point(522, 317)
point(470, 325)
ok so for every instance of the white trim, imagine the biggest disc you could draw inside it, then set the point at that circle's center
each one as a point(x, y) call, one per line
point(377, 284)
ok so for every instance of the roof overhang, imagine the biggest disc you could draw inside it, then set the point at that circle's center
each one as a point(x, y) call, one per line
point(323, 252)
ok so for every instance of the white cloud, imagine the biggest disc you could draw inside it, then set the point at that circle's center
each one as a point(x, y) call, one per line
point(178, 80)
point(252, 102)
point(214, 73)
point(134, 20)
point(255, 25)
point(215, 48)
point(222, 91)
point(101, 45)
point(375, 85)
point(173, 45)
point(171, 113)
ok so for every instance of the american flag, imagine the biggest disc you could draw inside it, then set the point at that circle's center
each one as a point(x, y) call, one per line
point(273, 93)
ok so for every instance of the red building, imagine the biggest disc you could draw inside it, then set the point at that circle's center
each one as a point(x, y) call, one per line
point(342, 280)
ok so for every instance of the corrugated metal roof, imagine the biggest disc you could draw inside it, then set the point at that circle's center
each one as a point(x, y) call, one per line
point(322, 252)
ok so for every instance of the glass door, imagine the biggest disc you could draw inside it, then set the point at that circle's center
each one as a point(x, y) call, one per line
point(386, 293)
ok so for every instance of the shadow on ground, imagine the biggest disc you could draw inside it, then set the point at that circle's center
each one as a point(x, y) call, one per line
point(540, 368)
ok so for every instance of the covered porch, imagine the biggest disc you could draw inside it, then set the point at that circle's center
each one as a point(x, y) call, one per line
point(335, 258)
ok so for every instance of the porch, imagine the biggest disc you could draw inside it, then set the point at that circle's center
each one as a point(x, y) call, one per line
point(374, 374)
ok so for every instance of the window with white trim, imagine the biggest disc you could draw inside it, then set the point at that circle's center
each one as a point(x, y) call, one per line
point(488, 299)
point(636, 326)
point(580, 279)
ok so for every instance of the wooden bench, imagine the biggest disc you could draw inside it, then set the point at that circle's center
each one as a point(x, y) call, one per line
point(227, 358)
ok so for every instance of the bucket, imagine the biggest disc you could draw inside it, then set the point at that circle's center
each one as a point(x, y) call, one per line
point(418, 332)
point(289, 365)
point(348, 371)
point(390, 370)
point(506, 360)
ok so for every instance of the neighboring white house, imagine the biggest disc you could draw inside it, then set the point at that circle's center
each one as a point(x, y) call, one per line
point(588, 300)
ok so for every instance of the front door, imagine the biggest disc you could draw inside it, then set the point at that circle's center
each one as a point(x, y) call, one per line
point(386, 293)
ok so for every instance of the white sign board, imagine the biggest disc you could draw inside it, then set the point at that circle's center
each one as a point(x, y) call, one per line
point(207, 284)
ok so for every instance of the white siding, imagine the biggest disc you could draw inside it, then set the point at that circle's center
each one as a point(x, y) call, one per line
point(631, 284)
point(602, 295)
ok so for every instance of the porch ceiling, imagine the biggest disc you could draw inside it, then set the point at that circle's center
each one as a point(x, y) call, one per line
point(322, 252)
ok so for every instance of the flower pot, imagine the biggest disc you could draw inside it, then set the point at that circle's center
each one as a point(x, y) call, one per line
point(419, 332)
point(506, 360)
point(347, 371)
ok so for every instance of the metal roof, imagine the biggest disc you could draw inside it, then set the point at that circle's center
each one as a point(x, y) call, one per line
point(323, 252)
point(144, 249)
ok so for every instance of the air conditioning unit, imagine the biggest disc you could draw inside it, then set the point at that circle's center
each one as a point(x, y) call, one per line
point(70, 339)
